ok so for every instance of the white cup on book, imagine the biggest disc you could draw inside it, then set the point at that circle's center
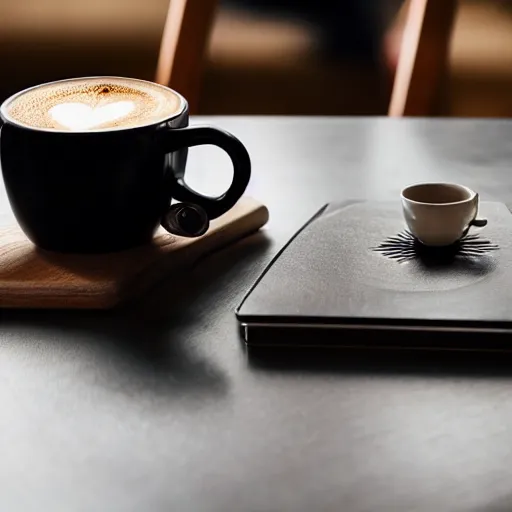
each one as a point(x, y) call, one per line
point(440, 214)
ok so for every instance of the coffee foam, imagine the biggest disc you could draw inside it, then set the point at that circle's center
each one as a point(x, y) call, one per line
point(94, 104)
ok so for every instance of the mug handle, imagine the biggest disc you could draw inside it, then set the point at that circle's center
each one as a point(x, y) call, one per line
point(478, 223)
point(198, 208)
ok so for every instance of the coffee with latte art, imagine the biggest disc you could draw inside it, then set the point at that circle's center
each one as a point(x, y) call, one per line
point(94, 104)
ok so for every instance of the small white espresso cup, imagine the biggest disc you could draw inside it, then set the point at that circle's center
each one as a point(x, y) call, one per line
point(439, 214)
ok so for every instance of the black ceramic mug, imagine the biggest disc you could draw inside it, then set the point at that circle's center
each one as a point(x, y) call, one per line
point(91, 179)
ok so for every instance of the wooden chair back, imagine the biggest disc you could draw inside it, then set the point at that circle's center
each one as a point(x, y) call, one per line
point(418, 79)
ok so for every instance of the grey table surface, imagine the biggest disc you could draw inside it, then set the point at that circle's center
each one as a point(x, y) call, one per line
point(159, 406)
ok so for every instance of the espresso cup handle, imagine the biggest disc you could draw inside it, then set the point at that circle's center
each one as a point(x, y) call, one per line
point(478, 223)
point(178, 138)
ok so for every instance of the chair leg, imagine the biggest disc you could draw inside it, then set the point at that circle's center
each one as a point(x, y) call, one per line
point(183, 47)
point(423, 58)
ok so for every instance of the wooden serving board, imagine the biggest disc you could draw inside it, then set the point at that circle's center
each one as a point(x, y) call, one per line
point(32, 278)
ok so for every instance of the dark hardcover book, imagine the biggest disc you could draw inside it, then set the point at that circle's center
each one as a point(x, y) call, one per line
point(353, 276)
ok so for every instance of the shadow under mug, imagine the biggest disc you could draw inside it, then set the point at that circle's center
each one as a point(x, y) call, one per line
point(106, 191)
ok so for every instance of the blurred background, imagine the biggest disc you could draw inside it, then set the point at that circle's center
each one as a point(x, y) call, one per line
point(263, 56)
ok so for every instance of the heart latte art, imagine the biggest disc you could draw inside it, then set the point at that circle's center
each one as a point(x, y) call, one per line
point(79, 116)
point(94, 104)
